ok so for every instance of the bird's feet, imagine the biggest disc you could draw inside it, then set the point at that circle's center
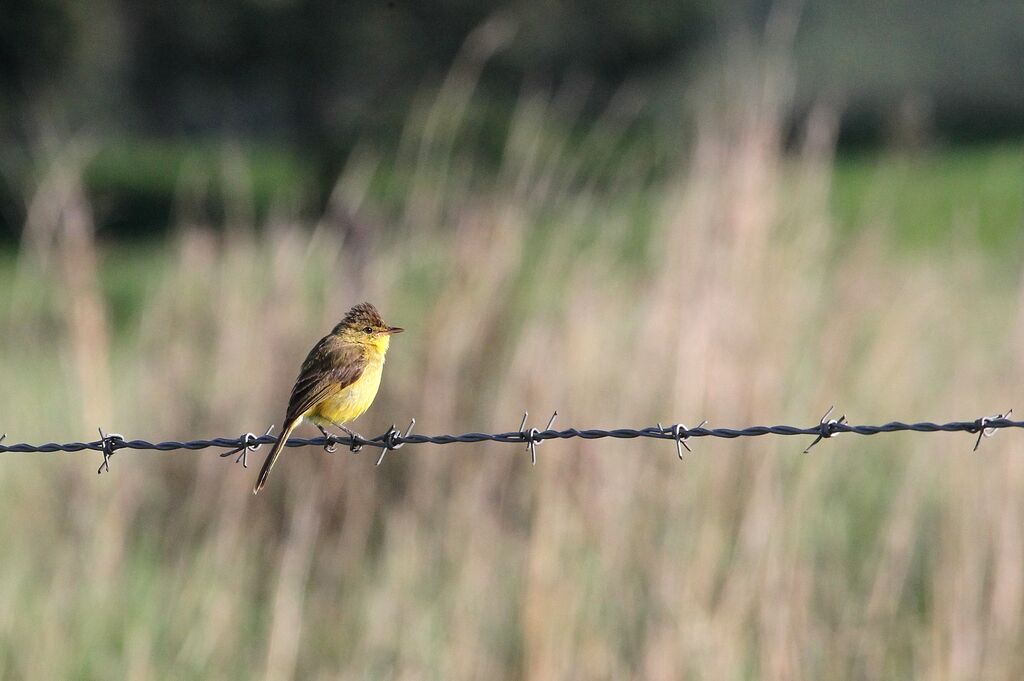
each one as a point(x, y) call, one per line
point(329, 446)
point(355, 446)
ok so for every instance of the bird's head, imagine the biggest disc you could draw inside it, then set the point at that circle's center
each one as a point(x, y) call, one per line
point(364, 325)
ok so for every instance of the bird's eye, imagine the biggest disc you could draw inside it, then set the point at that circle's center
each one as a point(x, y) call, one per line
point(368, 329)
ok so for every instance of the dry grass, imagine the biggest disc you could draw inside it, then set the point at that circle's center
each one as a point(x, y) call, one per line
point(719, 292)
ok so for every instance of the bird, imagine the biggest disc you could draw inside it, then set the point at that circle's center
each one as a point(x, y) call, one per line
point(338, 380)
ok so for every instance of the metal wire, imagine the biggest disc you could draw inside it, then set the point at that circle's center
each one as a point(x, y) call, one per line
point(393, 439)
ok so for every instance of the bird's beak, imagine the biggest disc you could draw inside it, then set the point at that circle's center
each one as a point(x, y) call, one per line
point(395, 329)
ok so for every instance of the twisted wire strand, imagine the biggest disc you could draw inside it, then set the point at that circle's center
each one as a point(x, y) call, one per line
point(392, 439)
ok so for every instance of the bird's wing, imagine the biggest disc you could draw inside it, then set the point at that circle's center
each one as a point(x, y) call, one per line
point(330, 368)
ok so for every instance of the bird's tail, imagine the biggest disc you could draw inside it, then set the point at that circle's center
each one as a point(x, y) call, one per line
point(274, 454)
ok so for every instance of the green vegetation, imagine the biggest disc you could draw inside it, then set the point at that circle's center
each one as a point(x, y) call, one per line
point(939, 199)
point(159, 168)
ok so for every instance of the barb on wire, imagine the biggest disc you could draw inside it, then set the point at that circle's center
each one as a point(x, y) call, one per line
point(982, 426)
point(826, 427)
point(532, 437)
point(680, 433)
point(250, 443)
point(392, 439)
point(108, 445)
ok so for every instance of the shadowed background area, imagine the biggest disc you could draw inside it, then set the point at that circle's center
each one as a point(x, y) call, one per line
point(741, 212)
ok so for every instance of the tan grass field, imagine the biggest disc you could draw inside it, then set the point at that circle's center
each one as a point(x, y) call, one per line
point(722, 291)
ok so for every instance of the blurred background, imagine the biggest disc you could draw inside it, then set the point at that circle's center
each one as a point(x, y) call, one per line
point(632, 213)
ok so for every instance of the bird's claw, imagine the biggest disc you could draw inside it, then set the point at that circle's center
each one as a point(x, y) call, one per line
point(330, 446)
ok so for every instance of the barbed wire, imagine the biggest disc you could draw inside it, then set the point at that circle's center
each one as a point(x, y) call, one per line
point(394, 439)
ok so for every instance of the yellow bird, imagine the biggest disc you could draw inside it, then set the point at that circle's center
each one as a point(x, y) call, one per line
point(339, 378)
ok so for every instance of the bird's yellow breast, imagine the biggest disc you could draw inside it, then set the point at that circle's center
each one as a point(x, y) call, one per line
point(350, 402)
